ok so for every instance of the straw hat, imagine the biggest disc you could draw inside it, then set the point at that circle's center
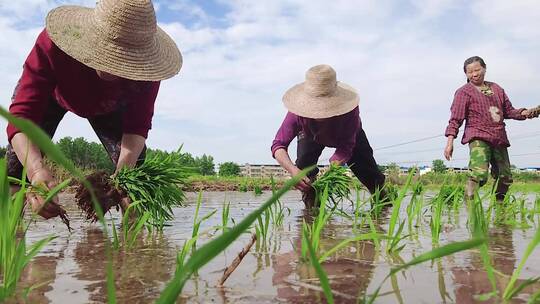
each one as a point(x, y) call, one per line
point(321, 95)
point(120, 37)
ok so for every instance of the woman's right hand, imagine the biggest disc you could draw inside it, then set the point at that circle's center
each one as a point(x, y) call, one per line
point(304, 184)
point(43, 178)
point(448, 151)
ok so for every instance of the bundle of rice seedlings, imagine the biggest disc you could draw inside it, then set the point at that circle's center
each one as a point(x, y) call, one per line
point(450, 193)
point(337, 181)
point(156, 186)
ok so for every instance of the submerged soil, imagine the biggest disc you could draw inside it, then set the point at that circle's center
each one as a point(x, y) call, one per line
point(107, 195)
point(71, 269)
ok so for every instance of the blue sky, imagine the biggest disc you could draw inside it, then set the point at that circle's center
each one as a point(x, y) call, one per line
point(404, 57)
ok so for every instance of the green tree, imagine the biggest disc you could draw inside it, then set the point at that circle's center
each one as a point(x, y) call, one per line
point(229, 169)
point(86, 155)
point(439, 166)
point(2, 152)
point(392, 169)
point(205, 164)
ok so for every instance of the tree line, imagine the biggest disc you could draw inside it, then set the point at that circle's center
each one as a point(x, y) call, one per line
point(92, 156)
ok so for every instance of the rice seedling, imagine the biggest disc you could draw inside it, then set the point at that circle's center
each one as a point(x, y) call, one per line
point(211, 249)
point(336, 180)
point(14, 254)
point(116, 239)
point(243, 187)
point(441, 284)
point(479, 229)
point(393, 234)
point(395, 288)
point(42, 140)
point(225, 217)
point(373, 231)
point(358, 208)
point(197, 222)
point(257, 189)
point(510, 291)
point(431, 255)
point(323, 278)
point(318, 224)
point(190, 245)
point(156, 184)
point(344, 243)
point(414, 208)
point(535, 298)
point(437, 207)
point(262, 228)
point(132, 230)
point(278, 210)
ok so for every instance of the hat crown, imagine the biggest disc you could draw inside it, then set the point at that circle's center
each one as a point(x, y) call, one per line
point(320, 81)
point(126, 22)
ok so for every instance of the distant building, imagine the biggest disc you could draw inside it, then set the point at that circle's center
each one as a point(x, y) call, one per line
point(458, 169)
point(252, 170)
point(424, 170)
point(265, 170)
point(530, 169)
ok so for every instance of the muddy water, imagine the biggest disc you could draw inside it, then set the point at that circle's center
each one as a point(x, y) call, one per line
point(71, 269)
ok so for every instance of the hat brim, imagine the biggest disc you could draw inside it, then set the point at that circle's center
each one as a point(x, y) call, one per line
point(71, 29)
point(344, 100)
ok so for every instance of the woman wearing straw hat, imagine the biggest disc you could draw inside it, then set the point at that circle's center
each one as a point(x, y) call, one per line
point(104, 64)
point(324, 113)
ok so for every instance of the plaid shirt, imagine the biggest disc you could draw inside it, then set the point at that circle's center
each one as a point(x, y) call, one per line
point(484, 115)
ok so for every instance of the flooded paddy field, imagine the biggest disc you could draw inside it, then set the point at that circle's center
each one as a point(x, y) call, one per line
point(71, 268)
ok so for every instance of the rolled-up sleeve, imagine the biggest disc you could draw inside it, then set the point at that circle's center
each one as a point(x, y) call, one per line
point(137, 117)
point(509, 111)
point(286, 133)
point(458, 112)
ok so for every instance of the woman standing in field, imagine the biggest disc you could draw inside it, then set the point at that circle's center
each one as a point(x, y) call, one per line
point(323, 112)
point(484, 105)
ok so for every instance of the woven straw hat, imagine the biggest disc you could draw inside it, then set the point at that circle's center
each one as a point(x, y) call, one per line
point(321, 95)
point(120, 37)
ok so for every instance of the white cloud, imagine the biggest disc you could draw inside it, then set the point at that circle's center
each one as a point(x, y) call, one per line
point(227, 99)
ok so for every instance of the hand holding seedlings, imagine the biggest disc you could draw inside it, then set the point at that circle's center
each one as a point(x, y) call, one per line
point(531, 113)
point(42, 179)
point(155, 185)
point(304, 184)
point(337, 181)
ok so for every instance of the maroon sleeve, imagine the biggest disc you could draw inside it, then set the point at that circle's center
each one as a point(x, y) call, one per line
point(458, 113)
point(137, 118)
point(287, 132)
point(36, 85)
point(509, 110)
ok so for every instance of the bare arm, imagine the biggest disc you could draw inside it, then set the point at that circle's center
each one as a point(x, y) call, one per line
point(449, 150)
point(284, 160)
point(28, 154)
point(131, 147)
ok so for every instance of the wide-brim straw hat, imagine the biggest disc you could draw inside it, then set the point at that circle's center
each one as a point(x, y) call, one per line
point(120, 37)
point(321, 95)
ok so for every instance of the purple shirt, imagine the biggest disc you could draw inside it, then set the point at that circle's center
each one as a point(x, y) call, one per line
point(484, 115)
point(337, 132)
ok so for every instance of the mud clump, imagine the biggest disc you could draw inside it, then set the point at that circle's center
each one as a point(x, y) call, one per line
point(107, 195)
